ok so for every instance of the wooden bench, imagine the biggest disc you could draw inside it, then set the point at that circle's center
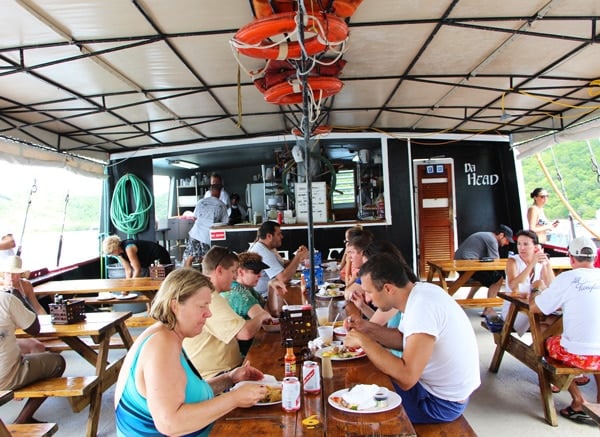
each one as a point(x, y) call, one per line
point(57, 345)
point(65, 386)
point(593, 410)
point(32, 429)
point(457, 428)
point(480, 302)
point(25, 429)
point(561, 375)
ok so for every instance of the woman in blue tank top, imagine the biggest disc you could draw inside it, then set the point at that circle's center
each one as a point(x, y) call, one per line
point(159, 392)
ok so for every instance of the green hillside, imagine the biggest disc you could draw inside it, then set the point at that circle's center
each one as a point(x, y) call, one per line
point(580, 177)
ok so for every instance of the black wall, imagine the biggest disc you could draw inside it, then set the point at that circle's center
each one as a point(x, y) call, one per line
point(485, 181)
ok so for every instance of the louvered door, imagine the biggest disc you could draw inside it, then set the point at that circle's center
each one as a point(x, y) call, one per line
point(435, 212)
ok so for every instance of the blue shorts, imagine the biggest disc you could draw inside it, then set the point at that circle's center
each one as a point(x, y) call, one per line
point(423, 407)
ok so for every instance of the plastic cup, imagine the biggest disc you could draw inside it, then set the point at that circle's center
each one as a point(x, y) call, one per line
point(323, 316)
point(326, 334)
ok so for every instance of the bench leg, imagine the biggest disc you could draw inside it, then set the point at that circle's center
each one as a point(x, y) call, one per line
point(546, 394)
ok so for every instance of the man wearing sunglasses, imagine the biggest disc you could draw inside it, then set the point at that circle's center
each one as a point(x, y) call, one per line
point(216, 182)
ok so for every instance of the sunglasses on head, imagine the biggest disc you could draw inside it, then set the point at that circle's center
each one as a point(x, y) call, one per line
point(222, 257)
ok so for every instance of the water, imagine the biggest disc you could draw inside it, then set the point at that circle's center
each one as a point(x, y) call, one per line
point(40, 249)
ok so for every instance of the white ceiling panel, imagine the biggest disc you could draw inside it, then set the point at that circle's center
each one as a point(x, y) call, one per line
point(113, 75)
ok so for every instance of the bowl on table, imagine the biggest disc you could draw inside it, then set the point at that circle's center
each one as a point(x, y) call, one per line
point(271, 325)
point(339, 333)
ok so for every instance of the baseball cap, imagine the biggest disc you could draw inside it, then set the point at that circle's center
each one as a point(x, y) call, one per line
point(12, 264)
point(582, 246)
point(255, 266)
point(508, 233)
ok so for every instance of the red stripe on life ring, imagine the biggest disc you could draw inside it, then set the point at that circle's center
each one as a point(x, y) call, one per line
point(254, 39)
point(286, 94)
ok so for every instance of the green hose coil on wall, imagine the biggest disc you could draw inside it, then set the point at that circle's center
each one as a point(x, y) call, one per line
point(139, 199)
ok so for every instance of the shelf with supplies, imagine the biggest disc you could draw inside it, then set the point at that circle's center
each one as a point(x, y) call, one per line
point(188, 196)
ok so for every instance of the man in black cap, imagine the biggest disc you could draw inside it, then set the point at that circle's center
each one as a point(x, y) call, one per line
point(242, 296)
point(482, 245)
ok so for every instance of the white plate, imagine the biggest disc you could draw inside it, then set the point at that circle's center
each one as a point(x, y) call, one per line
point(127, 296)
point(393, 401)
point(267, 381)
point(356, 354)
point(218, 225)
point(106, 296)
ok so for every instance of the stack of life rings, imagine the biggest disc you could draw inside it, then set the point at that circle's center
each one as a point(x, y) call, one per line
point(325, 29)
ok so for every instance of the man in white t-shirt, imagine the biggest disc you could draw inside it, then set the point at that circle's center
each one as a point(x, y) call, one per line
point(208, 211)
point(19, 366)
point(439, 368)
point(577, 293)
point(269, 239)
point(7, 243)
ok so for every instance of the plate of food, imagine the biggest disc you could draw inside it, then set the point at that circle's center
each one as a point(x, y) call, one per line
point(330, 290)
point(364, 399)
point(340, 353)
point(274, 388)
point(271, 325)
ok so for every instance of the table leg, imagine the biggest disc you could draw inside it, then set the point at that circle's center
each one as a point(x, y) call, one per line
point(460, 281)
point(433, 271)
point(504, 338)
point(96, 394)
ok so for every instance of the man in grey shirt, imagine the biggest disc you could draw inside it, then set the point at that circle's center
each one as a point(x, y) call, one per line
point(482, 245)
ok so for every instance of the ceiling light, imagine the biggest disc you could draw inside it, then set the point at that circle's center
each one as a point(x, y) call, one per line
point(183, 164)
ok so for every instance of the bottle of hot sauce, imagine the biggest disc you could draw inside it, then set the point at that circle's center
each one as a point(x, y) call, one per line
point(290, 359)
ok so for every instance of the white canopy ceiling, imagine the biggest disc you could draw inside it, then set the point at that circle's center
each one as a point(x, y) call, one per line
point(97, 77)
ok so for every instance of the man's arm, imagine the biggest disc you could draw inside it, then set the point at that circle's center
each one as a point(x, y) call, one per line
point(407, 370)
point(134, 260)
point(7, 242)
point(252, 326)
point(290, 270)
point(388, 337)
point(34, 328)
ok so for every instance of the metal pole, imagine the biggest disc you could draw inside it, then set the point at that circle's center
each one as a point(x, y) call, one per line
point(31, 193)
point(307, 131)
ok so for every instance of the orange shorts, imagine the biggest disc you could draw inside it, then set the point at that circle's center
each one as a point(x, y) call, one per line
point(556, 351)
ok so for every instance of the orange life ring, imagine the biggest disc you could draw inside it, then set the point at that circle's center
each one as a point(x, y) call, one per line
point(287, 93)
point(319, 130)
point(345, 8)
point(254, 38)
point(276, 72)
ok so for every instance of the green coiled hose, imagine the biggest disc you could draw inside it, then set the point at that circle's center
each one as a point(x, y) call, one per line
point(130, 223)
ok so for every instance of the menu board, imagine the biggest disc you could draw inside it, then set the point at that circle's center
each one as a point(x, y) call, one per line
point(319, 202)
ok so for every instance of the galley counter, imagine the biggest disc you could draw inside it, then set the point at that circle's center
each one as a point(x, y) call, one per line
point(326, 235)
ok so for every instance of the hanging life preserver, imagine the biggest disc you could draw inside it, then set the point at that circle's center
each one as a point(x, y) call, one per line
point(254, 39)
point(345, 8)
point(290, 93)
point(318, 130)
point(266, 8)
point(276, 72)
